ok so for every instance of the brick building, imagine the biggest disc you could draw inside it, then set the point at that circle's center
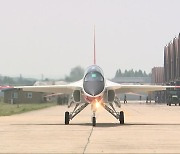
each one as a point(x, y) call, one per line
point(15, 96)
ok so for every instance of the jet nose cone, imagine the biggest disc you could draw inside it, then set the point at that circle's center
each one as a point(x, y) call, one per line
point(93, 88)
point(92, 92)
point(95, 91)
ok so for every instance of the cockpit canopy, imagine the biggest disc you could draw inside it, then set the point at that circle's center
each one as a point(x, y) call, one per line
point(93, 76)
point(94, 68)
point(94, 81)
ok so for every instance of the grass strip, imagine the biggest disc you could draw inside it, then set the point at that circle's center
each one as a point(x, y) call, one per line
point(10, 109)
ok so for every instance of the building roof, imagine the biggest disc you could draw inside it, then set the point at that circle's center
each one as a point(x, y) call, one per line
point(44, 83)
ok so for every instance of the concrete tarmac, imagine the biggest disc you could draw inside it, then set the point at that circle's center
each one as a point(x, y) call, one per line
point(148, 129)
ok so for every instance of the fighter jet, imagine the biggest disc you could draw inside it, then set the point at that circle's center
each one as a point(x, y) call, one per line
point(95, 90)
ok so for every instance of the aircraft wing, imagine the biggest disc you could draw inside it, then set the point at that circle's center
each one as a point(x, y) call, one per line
point(65, 89)
point(120, 88)
point(5, 87)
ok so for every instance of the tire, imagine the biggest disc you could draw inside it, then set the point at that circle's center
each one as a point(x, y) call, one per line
point(169, 104)
point(121, 117)
point(66, 118)
point(94, 121)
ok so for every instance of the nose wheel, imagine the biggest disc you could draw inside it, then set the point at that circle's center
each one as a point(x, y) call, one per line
point(94, 119)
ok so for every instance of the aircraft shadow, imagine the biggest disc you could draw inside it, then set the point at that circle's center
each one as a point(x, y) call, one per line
point(107, 124)
point(126, 124)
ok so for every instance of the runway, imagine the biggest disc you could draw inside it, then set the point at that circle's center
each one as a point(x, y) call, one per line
point(148, 129)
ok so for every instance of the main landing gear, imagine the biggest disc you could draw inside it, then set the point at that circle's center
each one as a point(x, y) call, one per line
point(118, 115)
point(70, 115)
point(121, 117)
point(67, 118)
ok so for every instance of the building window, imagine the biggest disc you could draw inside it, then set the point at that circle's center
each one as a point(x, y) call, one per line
point(14, 95)
point(29, 95)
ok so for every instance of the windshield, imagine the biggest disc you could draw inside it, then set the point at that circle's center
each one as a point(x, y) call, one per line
point(94, 76)
point(94, 68)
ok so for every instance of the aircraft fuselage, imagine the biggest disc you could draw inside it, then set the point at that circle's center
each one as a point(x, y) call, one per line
point(93, 83)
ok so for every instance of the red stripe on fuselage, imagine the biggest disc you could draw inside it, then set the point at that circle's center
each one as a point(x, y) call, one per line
point(92, 99)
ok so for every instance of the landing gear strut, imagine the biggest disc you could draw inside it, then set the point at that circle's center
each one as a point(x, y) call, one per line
point(94, 119)
point(118, 115)
point(70, 115)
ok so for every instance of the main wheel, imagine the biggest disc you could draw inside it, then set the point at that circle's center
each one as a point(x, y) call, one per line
point(66, 118)
point(121, 117)
point(94, 121)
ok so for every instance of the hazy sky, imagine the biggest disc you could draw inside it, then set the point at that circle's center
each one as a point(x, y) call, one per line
point(52, 36)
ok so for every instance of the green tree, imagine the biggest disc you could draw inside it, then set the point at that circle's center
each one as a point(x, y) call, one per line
point(118, 73)
point(75, 74)
point(140, 73)
point(131, 73)
point(7, 80)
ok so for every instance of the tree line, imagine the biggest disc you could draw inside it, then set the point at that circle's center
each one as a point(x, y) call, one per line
point(75, 74)
point(131, 73)
point(78, 72)
point(6, 80)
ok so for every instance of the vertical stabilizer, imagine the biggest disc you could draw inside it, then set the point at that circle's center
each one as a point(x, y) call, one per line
point(94, 48)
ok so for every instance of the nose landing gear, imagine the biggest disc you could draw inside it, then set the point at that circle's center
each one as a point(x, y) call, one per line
point(94, 119)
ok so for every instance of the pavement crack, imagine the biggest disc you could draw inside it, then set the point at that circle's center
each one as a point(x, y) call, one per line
point(88, 140)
